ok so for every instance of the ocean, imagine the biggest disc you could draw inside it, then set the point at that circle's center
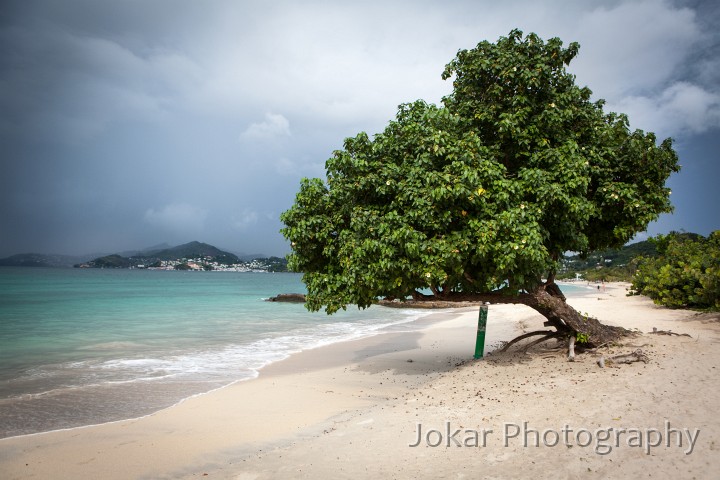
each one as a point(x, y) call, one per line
point(88, 346)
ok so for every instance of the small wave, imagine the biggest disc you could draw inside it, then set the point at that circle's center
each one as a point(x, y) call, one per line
point(111, 346)
point(235, 360)
point(215, 362)
point(169, 378)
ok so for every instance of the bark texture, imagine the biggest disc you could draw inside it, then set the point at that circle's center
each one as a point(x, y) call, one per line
point(547, 299)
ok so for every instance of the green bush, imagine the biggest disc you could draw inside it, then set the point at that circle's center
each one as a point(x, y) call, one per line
point(685, 274)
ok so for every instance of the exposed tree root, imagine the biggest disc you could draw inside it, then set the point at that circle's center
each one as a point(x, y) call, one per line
point(548, 334)
point(636, 356)
point(540, 340)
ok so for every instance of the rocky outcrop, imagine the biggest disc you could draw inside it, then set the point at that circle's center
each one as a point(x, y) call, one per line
point(288, 297)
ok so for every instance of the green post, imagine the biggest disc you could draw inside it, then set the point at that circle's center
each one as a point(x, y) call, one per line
point(482, 323)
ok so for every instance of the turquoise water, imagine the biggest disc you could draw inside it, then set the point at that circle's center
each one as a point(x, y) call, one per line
point(81, 346)
point(86, 346)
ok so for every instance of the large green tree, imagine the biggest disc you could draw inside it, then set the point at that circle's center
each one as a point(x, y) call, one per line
point(478, 199)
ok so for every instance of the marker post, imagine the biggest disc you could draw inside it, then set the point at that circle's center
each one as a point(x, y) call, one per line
point(482, 323)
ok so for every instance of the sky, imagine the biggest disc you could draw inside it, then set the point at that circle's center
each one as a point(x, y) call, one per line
point(125, 124)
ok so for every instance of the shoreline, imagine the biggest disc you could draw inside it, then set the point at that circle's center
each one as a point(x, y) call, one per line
point(414, 317)
point(275, 366)
point(257, 373)
point(167, 391)
point(20, 453)
point(301, 412)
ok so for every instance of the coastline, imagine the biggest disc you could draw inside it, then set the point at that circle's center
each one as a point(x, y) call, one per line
point(355, 407)
point(110, 345)
point(286, 400)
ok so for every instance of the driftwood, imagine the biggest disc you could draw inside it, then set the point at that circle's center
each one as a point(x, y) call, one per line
point(636, 356)
point(668, 332)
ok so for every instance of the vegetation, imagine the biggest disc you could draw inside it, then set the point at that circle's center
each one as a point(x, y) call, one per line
point(189, 256)
point(274, 264)
point(202, 255)
point(112, 261)
point(606, 274)
point(478, 199)
point(686, 273)
point(196, 250)
point(41, 260)
point(610, 265)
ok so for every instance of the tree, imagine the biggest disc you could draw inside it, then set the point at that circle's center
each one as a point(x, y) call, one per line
point(478, 199)
point(686, 273)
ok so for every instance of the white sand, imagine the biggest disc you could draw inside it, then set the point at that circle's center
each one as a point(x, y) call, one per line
point(353, 409)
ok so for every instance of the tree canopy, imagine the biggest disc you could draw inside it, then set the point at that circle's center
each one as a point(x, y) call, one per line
point(481, 195)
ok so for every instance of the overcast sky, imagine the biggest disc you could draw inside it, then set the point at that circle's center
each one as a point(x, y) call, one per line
point(129, 123)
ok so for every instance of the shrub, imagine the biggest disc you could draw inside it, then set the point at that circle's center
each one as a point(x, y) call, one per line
point(685, 274)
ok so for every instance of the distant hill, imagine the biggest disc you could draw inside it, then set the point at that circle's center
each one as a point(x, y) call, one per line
point(195, 250)
point(273, 264)
point(614, 257)
point(251, 256)
point(112, 261)
point(151, 256)
point(145, 251)
point(42, 260)
point(191, 250)
point(610, 265)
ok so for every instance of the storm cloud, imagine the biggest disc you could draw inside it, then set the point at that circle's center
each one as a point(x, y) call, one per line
point(127, 124)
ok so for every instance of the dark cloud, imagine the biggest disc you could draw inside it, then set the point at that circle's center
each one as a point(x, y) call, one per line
point(127, 124)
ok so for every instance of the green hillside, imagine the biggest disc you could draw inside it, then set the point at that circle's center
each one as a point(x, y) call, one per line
point(194, 250)
point(208, 257)
point(609, 265)
point(112, 261)
point(41, 260)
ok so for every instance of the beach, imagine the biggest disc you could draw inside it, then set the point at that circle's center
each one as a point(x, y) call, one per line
point(415, 404)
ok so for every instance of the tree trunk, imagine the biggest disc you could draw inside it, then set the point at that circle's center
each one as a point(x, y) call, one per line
point(549, 301)
point(564, 317)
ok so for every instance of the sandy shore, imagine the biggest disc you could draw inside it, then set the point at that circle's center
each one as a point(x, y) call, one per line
point(355, 409)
